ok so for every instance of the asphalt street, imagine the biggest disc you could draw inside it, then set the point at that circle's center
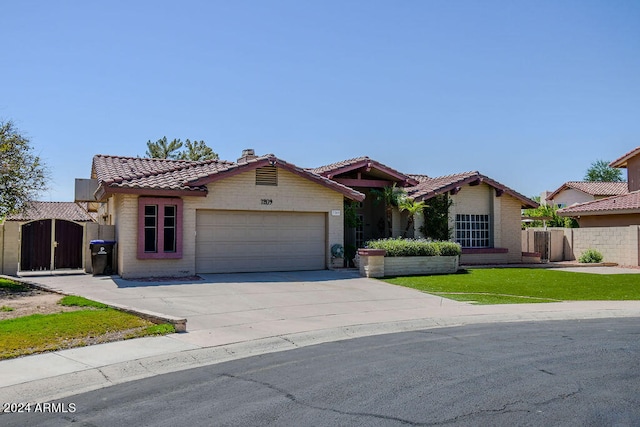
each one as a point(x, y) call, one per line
point(582, 373)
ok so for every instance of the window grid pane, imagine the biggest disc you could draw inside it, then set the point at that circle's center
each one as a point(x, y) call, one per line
point(473, 231)
point(170, 228)
point(150, 228)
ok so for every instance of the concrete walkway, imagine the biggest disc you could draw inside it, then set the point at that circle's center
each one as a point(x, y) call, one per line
point(230, 316)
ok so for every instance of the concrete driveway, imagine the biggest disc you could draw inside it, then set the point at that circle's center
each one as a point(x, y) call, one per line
point(231, 308)
point(228, 308)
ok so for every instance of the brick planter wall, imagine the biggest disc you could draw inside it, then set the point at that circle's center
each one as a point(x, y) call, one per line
point(373, 263)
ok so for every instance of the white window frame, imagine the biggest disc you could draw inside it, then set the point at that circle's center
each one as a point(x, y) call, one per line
point(473, 230)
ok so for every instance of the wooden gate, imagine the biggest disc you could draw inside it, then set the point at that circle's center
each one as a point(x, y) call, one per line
point(542, 243)
point(37, 244)
point(35, 250)
point(68, 245)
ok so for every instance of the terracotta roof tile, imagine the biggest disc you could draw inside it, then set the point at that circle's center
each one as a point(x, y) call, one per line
point(322, 170)
point(430, 187)
point(128, 173)
point(134, 172)
point(593, 188)
point(613, 204)
point(69, 211)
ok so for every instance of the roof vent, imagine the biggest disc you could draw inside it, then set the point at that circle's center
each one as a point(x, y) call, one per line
point(247, 154)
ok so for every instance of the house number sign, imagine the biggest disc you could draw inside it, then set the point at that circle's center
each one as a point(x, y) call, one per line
point(266, 201)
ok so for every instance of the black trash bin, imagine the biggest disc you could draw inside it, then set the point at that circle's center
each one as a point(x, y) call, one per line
point(102, 256)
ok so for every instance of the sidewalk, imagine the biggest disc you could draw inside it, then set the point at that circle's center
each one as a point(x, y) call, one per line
point(235, 316)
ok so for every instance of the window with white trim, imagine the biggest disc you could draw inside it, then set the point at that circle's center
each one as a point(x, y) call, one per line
point(473, 230)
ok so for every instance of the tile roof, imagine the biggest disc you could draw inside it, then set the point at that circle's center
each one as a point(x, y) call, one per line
point(430, 187)
point(69, 211)
point(593, 188)
point(118, 174)
point(322, 170)
point(161, 176)
point(624, 203)
point(621, 162)
point(333, 169)
point(157, 174)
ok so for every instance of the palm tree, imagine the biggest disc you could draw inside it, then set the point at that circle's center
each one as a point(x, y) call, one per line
point(412, 207)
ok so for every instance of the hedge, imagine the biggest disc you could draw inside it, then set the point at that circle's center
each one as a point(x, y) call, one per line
point(414, 247)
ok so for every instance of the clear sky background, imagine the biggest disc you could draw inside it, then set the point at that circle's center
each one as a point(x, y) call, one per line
point(529, 93)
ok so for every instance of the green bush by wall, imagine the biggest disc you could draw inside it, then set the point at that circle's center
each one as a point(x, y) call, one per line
point(399, 247)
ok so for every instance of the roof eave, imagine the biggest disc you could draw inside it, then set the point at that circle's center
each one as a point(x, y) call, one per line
point(370, 163)
point(105, 192)
point(479, 179)
point(598, 212)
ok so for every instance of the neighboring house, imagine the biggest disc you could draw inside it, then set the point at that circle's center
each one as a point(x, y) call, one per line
point(261, 213)
point(575, 192)
point(614, 211)
point(47, 236)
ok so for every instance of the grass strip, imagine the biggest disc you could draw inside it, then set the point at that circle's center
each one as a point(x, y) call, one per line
point(38, 333)
point(525, 285)
point(10, 285)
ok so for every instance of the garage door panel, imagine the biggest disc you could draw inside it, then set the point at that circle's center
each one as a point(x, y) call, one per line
point(230, 241)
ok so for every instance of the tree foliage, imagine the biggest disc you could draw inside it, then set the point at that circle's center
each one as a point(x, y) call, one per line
point(195, 151)
point(600, 171)
point(436, 218)
point(22, 174)
point(553, 219)
point(412, 207)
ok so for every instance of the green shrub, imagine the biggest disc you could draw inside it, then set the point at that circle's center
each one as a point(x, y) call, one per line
point(590, 256)
point(449, 248)
point(414, 247)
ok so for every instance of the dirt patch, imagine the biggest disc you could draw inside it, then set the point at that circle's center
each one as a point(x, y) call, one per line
point(30, 301)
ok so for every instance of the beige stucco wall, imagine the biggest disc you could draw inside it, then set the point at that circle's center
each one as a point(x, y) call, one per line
point(510, 227)
point(1, 248)
point(609, 220)
point(11, 247)
point(504, 212)
point(570, 197)
point(633, 173)
point(239, 192)
point(557, 242)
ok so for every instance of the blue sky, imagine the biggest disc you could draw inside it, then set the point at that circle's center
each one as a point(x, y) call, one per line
point(527, 92)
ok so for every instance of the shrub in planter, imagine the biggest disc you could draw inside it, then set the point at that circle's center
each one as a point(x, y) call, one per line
point(590, 256)
point(399, 247)
point(449, 248)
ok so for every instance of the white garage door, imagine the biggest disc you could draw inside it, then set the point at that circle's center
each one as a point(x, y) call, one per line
point(241, 241)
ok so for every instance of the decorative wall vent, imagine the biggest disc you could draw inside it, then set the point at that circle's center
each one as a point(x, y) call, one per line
point(267, 175)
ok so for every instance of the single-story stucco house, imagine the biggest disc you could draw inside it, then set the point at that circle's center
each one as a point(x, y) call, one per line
point(617, 210)
point(261, 213)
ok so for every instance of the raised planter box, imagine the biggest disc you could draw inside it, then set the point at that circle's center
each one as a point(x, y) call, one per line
point(373, 263)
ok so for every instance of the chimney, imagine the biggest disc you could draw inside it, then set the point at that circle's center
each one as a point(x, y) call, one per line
point(247, 154)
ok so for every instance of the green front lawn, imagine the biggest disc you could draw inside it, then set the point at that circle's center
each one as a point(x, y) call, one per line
point(94, 323)
point(525, 285)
